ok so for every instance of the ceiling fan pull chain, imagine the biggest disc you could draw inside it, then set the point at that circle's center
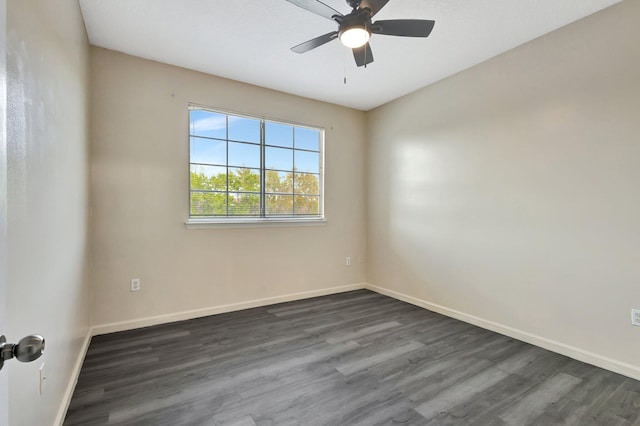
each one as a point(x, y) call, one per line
point(344, 65)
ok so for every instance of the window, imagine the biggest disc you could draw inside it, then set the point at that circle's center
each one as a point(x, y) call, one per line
point(251, 168)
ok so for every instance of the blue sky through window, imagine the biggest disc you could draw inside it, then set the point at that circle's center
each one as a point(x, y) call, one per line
point(307, 161)
point(307, 139)
point(208, 151)
point(244, 155)
point(244, 129)
point(278, 158)
point(205, 125)
point(278, 134)
point(208, 124)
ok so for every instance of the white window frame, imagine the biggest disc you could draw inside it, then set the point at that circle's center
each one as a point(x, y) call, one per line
point(206, 222)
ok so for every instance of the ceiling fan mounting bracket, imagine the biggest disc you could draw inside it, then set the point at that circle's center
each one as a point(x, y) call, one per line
point(354, 3)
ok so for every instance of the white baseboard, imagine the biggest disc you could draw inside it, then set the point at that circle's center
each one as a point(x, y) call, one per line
point(197, 313)
point(552, 345)
point(561, 348)
point(71, 386)
point(180, 316)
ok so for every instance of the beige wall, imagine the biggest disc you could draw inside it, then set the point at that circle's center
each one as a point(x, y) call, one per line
point(504, 194)
point(47, 65)
point(508, 194)
point(139, 186)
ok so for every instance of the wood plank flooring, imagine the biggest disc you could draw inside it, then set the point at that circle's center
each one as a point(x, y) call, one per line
point(356, 358)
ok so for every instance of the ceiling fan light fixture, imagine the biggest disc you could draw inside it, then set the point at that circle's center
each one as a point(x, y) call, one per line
point(355, 37)
point(356, 27)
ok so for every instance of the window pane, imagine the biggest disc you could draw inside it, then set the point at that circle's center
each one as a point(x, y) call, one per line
point(278, 205)
point(211, 178)
point(307, 205)
point(208, 151)
point(244, 129)
point(238, 163)
point(307, 161)
point(208, 204)
point(244, 180)
point(278, 134)
point(278, 158)
point(244, 155)
point(307, 139)
point(208, 124)
point(279, 181)
point(307, 183)
point(241, 204)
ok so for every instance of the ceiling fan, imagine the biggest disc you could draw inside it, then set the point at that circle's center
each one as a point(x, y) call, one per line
point(355, 28)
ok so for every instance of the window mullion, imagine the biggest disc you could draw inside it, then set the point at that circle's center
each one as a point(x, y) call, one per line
point(293, 177)
point(227, 142)
point(263, 172)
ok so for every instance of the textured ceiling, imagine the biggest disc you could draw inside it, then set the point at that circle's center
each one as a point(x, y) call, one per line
point(249, 41)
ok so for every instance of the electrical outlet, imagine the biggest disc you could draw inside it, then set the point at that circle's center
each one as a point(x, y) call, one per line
point(635, 317)
point(347, 261)
point(135, 284)
point(43, 379)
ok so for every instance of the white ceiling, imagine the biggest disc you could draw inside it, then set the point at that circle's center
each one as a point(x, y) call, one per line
point(249, 41)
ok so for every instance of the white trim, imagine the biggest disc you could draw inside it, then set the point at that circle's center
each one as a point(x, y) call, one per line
point(209, 223)
point(75, 373)
point(214, 310)
point(561, 348)
point(4, 282)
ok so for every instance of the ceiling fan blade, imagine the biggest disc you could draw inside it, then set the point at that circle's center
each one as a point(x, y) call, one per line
point(403, 27)
point(315, 42)
point(363, 55)
point(317, 7)
point(373, 5)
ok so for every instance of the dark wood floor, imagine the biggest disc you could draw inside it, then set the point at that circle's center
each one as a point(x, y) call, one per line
point(357, 358)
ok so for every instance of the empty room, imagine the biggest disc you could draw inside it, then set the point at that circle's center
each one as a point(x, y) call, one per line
point(304, 212)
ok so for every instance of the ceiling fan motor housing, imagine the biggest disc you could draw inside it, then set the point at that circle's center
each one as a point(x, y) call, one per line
point(356, 19)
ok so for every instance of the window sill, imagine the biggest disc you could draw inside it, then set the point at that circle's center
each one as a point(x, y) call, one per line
point(209, 223)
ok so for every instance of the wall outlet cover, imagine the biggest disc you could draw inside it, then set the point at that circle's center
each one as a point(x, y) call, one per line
point(135, 284)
